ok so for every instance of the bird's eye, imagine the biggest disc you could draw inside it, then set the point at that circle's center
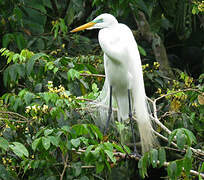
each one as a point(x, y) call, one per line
point(98, 21)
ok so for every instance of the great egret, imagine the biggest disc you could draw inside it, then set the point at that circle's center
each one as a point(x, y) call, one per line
point(124, 78)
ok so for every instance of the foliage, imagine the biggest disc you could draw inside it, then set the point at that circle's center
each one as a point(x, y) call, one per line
point(46, 131)
point(48, 134)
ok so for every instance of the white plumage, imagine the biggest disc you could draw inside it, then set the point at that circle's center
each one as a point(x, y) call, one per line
point(123, 71)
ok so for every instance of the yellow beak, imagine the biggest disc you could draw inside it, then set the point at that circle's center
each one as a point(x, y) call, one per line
point(82, 27)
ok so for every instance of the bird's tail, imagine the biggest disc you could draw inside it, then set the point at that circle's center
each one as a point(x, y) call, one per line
point(144, 121)
point(147, 137)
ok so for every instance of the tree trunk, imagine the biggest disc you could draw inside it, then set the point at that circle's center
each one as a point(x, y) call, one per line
point(157, 44)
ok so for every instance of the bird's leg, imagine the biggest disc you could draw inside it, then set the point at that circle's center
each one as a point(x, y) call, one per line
point(131, 124)
point(109, 111)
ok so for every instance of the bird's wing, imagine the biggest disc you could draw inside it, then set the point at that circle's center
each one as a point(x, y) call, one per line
point(116, 41)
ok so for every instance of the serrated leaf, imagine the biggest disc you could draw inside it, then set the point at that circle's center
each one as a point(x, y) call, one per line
point(19, 149)
point(4, 144)
point(46, 143)
point(35, 143)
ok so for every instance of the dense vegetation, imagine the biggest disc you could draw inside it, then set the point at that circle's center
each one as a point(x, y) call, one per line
point(47, 76)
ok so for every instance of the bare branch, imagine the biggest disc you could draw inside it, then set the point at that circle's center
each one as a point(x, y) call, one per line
point(65, 166)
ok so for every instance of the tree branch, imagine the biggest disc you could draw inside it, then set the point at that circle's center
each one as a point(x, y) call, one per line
point(65, 161)
point(124, 156)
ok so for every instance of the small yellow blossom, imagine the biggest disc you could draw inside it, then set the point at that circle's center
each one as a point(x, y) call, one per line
point(7, 126)
point(159, 91)
point(63, 46)
point(195, 104)
point(45, 108)
point(28, 108)
point(35, 117)
point(4, 160)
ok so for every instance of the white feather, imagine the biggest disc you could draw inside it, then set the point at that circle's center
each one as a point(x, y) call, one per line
point(123, 71)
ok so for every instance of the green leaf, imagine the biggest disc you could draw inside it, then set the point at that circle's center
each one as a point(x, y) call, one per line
point(35, 143)
point(4, 174)
point(179, 165)
point(190, 136)
point(76, 169)
point(46, 143)
point(110, 155)
point(20, 41)
point(143, 164)
point(4, 144)
point(96, 131)
point(181, 139)
point(18, 102)
point(171, 169)
point(73, 74)
point(31, 62)
point(6, 77)
point(20, 70)
point(19, 149)
point(99, 167)
point(162, 156)
point(28, 97)
point(12, 72)
point(118, 147)
point(76, 142)
point(171, 136)
point(88, 150)
point(54, 140)
point(142, 51)
point(108, 146)
point(48, 132)
point(7, 38)
point(154, 157)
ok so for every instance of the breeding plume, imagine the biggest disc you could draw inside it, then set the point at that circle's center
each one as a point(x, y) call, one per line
point(124, 79)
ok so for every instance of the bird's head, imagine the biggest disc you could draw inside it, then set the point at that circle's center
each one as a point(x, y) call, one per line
point(101, 21)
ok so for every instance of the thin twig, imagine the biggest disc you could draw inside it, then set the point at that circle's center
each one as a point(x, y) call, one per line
point(14, 114)
point(65, 166)
point(183, 90)
point(93, 75)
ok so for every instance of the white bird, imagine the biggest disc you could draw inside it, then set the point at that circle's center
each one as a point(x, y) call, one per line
point(124, 75)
